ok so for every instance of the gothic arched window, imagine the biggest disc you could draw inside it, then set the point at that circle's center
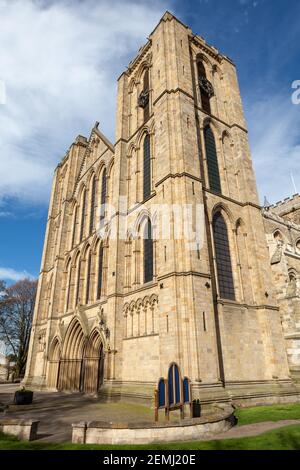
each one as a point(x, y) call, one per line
point(78, 282)
point(75, 224)
point(103, 195)
point(146, 92)
point(93, 201)
point(174, 384)
point(205, 96)
point(100, 271)
point(147, 167)
point(212, 160)
point(68, 284)
point(88, 277)
point(148, 252)
point(223, 259)
point(83, 214)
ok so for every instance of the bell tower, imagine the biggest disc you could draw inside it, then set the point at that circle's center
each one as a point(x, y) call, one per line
point(182, 141)
point(176, 270)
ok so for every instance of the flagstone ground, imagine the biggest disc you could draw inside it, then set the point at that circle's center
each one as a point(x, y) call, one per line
point(57, 411)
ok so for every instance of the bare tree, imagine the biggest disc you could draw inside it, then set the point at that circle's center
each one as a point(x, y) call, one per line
point(16, 313)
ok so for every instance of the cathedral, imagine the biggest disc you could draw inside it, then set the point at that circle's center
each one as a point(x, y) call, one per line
point(124, 290)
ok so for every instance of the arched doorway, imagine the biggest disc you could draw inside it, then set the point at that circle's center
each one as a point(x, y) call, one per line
point(92, 364)
point(82, 363)
point(71, 361)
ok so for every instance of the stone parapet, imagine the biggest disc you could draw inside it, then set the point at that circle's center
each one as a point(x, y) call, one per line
point(25, 430)
point(97, 432)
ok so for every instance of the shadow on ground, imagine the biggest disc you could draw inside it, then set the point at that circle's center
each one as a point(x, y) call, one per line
point(57, 411)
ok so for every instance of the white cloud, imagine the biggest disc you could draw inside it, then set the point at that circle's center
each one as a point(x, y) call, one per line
point(274, 124)
point(60, 62)
point(5, 214)
point(13, 275)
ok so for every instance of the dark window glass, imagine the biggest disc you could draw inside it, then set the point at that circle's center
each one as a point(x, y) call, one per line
point(186, 390)
point(103, 196)
point(171, 385)
point(161, 393)
point(205, 100)
point(88, 281)
point(146, 89)
point(148, 253)
point(100, 272)
point(147, 167)
point(78, 283)
point(177, 384)
point(223, 260)
point(212, 161)
point(75, 225)
point(174, 385)
point(68, 286)
point(93, 198)
point(83, 215)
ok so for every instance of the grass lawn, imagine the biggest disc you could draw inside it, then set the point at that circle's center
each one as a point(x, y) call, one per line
point(259, 414)
point(286, 438)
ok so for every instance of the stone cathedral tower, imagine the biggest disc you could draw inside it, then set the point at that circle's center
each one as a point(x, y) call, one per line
point(116, 306)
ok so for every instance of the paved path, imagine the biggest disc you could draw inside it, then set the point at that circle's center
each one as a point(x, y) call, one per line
point(254, 429)
point(57, 411)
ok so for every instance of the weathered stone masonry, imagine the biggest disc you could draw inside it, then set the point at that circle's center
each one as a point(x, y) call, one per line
point(113, 313)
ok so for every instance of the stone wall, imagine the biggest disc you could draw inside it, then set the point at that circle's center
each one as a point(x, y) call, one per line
point(179, 315)
point(24, 429)
point(283, 235)
point(120, 434)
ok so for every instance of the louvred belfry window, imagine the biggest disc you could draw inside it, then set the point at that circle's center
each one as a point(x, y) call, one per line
point(204, 85)
point(147, 167)
point(144, 97)
point(223, 259)
point(148, 252)
point(212, 161)
point(146, 91)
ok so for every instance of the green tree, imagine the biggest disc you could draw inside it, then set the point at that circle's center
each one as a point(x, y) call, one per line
point(16, 314)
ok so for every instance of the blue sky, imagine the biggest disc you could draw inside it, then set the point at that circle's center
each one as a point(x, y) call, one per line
point(59, 61)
